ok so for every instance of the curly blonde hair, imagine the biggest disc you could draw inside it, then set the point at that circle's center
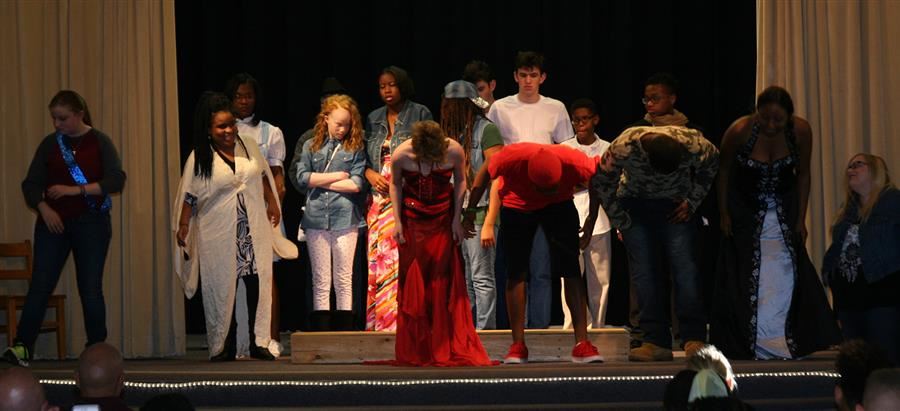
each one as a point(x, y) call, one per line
point(354, 140)
point(428, 142)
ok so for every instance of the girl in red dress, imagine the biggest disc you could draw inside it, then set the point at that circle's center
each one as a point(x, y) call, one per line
point(434, 326)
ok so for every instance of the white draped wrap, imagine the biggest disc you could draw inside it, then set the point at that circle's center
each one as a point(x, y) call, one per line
point(211, 248)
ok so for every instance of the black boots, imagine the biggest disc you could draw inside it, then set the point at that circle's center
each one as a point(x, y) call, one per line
point(260, 353)
point(331, 321)
point(229, 351)
point(320, 321)
point(342, 321)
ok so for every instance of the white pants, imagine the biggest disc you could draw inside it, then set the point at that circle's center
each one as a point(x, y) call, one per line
point(331, 256)
point(594, 263)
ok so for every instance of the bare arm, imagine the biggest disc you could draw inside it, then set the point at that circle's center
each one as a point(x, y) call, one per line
point(184, 222)
point(479, 184)
point(278, 175)
point(804, 145)
point(730, 142)
point(457, 157)
point(272, 210)
point(488, 232)
point(396, 190)
point(593, 210)
point(493, 204)
point(482, 177)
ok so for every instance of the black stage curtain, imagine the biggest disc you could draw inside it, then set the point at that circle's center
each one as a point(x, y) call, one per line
point(603, 50)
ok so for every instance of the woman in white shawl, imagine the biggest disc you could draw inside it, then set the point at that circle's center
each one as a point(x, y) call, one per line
point(224, 228)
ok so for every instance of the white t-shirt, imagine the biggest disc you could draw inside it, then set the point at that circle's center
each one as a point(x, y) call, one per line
point(272, 149)
point(544, 122)
point(582, 198)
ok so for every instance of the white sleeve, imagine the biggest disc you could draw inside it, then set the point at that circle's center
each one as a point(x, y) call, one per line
point(275, 154)
point(563, 129)
point(492, 113)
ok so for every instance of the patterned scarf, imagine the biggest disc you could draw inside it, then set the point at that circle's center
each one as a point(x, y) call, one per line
point(674, 119)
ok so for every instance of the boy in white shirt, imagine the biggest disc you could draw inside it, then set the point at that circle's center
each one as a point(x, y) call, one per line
point(530, 117)
point(595, 241)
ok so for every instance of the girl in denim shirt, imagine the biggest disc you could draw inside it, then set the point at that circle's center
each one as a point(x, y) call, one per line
point(386, 128)
point(330, 171)
point(862, 265)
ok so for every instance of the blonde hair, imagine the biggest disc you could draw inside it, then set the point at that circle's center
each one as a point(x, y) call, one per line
point(354, 139)
point(428, 142)
point(881, 182)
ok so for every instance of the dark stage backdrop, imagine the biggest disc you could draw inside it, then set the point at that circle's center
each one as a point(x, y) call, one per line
point(603, 50)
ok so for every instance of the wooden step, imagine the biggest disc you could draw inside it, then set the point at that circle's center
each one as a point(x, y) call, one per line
point(359, 346)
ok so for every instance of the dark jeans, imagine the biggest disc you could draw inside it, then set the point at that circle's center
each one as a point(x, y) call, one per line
point(877, 325)
point(87, 238)
point(649, 241)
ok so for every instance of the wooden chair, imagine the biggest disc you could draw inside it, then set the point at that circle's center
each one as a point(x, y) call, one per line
point(12, 303)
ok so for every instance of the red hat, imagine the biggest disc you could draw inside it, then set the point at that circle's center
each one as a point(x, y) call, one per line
point(544, 169)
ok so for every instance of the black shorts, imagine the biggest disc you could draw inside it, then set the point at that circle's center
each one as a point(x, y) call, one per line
point(561, 226)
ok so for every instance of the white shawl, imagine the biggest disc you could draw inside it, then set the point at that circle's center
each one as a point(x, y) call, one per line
point(211, 247)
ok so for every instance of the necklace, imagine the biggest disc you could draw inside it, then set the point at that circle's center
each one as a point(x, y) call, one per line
point(75, 145)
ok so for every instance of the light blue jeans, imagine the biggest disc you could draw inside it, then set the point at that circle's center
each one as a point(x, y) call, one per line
point(480, 281)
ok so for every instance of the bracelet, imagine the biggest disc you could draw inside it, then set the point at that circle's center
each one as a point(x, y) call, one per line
point(184, 224)
point(83, 191)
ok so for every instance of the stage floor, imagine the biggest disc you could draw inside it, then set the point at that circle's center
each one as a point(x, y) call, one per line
point(281, 384)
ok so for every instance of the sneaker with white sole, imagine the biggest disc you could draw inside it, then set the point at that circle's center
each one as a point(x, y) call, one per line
point(585, 352)
point(518, 354)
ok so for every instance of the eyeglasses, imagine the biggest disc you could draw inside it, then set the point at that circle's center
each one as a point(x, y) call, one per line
point(654, 98)
point(857, 164)
point(578, 120)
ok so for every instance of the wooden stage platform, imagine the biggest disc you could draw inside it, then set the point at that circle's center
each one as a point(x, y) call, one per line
point(543, 345)
point(550, 381)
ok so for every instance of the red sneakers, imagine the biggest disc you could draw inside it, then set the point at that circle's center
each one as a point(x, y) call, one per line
point(585, 352)
point(518, 354)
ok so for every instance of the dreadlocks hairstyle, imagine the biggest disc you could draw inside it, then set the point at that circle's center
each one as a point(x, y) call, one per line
point(428, 142)
point(353, 141)
point(458, 117)
point(210, 103)
point(74, 101)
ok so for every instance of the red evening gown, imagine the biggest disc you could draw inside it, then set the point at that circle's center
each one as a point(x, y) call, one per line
point(434, 324)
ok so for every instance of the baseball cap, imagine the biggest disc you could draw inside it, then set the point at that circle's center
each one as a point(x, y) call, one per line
point(544, 169)
point(464, 89)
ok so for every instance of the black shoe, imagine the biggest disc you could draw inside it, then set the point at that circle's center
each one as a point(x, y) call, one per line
point(320, 321)
point(261, 353)
point(225, 355)
point(342, 321)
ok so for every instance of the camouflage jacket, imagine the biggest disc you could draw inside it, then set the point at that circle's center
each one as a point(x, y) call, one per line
point(626, 172)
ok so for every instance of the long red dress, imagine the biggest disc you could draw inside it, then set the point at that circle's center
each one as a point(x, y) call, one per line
point(434, 324)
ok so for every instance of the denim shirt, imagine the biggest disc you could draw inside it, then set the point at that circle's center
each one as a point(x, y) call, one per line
point(879, 239)
point(377, 129)
point(326, 209)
